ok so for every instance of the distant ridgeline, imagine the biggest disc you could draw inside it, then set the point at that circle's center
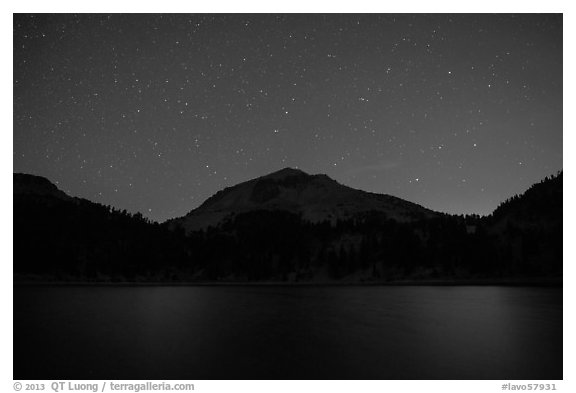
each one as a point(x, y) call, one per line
point(287, 226)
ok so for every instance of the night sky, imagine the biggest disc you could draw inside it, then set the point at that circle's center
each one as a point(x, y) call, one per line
point(155, 113)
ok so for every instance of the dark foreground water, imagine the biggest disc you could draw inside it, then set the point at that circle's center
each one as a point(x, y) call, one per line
point(287, 333)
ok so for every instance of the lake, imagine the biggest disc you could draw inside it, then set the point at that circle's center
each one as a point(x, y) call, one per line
point(283, 332)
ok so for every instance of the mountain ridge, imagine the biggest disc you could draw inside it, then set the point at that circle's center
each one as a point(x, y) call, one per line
point(61, 238)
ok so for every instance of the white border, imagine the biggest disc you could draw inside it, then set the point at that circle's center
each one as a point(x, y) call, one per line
point(243, 6)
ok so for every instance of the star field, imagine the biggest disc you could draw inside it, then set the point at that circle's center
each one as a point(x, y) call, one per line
point(155, 113)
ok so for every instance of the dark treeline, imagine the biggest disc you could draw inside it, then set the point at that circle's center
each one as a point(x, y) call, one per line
point(80, 240)
point(279, 246)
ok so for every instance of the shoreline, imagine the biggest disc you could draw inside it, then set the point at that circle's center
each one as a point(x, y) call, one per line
point(516, 282)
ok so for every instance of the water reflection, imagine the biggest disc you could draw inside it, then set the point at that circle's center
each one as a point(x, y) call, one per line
point(288, 333)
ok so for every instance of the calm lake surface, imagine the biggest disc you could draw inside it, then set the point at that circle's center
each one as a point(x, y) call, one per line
point(279, 332)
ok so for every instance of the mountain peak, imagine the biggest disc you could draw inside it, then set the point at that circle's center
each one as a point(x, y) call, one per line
point(315, 198)
point(285, 172)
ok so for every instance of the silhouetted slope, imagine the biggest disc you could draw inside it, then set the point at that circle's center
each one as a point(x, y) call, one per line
point(36, 186)
point(315, 198)
point(528, 229)
point(59, 237)
point(541, 204)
